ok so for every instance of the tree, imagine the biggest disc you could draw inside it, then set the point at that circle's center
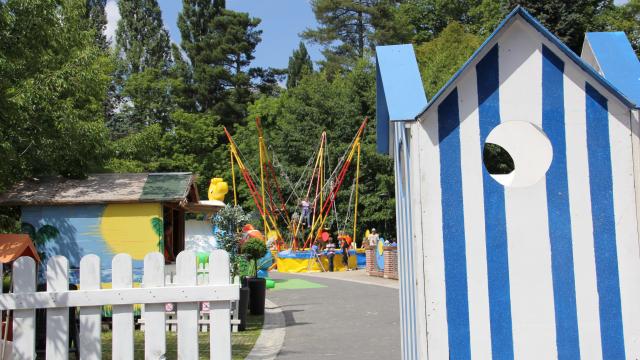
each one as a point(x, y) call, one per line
point(430, 17)
point(391, 25)
point(142, 89)
point(254, 249)
point(141, 39)
point(219, 45)
point(625, 17)
point(568, 20)
point(98, 20)
point(350, 29)
point(53, 81)
point(345, 26)
point(299, 65)
point(441, 57)
point(293, 123)
point(266, 81)
point(228, 220)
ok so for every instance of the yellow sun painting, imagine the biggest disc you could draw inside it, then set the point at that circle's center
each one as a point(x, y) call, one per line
point(126, 228)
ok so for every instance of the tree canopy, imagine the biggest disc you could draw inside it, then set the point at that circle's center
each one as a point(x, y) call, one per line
point(73, 103)
point(299, 65)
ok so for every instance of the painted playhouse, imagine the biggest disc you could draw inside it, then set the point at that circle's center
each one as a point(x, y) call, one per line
point(540, 262)
point(107, 214)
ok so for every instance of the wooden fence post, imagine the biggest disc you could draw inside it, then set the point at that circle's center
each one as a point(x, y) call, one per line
point(24, 321)
point(154, 335)
point(219, 311)
point(188, 312)
point(122, 346)
point(90, 316)
point(57, 318)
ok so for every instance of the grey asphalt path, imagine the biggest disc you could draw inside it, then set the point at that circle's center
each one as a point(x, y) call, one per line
point(345, 320)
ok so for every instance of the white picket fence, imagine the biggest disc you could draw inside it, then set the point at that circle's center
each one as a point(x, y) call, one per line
point(90, 298)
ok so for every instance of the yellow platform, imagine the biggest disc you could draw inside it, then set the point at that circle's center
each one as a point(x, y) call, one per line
point(291, 265)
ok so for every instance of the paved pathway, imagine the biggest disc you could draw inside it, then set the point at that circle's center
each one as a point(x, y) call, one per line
point(343, 320)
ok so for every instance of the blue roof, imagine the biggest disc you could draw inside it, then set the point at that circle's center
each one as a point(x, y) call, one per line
point(399, 91)
point(401, 81)
point(520, 11)
point(617, 61)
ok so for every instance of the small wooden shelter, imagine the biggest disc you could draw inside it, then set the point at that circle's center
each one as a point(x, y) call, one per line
point(106, 214)
point(13, 246)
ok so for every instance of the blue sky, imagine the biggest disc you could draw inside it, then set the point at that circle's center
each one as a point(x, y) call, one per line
point(282, 21)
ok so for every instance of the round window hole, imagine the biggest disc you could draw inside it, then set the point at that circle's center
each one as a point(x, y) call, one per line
point(517, 154)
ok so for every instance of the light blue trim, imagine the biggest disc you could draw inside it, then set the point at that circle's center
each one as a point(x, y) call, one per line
point(520, 11)
point(401, 81)
point(382, 116)
point(617, 61)
point(399, 91)
point(406, 269)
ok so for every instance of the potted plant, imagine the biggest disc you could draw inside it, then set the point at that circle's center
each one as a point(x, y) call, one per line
point(226, 223)
point(255, 249)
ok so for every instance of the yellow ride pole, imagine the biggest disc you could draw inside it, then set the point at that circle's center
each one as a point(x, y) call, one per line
point(323, 219)
point(355, 210)
point(320, 176)
point(264, 207)
point(315, 167)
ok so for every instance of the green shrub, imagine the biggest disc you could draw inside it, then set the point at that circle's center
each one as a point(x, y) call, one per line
point(254, 249)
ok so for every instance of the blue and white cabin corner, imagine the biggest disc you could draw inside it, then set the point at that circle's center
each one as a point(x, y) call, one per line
point(542, 263)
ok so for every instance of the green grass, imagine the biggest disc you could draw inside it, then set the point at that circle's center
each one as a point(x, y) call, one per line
point(241, 342)
point(295, 284)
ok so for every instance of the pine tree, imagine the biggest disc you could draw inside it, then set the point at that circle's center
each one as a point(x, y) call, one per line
point(299, 65)
point(219, 45)
point(348, 28)
point(98, 20)
point(345, 21)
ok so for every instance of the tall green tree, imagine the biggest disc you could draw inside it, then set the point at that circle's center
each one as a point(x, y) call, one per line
point(141, 39)
point(144, 58)
point(441, 57)
point(300, 64)
point(569, 20)
point(219, 45)
point(625, 17)
point(345, 26)
point(53, 81)
point(347, 29)
point(98, 20)
point(430, 17)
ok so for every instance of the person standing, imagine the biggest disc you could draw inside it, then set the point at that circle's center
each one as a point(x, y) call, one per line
point(344, 246)
point(306, 212)
point(373, 238)
point(330, 250)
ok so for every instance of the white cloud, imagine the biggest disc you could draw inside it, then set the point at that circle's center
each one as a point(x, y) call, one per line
point(113, 16)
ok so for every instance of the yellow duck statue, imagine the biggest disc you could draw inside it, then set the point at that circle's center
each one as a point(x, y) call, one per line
point(217, 189)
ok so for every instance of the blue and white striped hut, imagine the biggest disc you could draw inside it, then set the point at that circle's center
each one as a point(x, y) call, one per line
point(540, 263)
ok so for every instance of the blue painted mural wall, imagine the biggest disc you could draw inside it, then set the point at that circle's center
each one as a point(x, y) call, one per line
point(104, 230)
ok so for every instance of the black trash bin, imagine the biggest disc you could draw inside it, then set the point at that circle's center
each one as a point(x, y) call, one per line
point(243, 307)
point(257, 294)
